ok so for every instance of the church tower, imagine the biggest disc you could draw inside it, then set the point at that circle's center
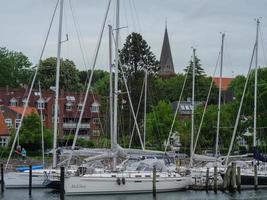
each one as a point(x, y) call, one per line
point(166, 68)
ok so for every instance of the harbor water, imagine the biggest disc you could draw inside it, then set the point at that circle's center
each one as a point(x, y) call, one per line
point(40, 194)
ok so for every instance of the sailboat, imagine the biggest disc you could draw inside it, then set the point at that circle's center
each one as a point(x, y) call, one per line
point(254, 172)
point(21, 179)
point(129, 180)
point(199, 173)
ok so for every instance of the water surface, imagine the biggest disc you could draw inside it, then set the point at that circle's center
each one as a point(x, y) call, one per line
point(40, 194)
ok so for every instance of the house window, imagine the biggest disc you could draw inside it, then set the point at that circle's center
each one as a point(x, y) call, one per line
point(17, 123)
point(95, 107)
point(96, 133)
point(69, 106)
point(40, 104)
point(79, 107)
point(3, 141)
point(8, 122)
point(96, 120)
point(13, 102)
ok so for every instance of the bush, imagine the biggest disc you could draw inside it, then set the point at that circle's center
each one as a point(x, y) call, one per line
point(4, 152)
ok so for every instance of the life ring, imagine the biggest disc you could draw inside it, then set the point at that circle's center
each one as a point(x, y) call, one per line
point(123, 180)
point(118, 181)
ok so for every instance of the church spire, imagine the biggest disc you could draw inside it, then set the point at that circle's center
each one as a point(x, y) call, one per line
point(166, 23)
point(166, 64)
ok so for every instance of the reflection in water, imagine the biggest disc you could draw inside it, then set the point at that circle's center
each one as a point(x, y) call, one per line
point(39, 194)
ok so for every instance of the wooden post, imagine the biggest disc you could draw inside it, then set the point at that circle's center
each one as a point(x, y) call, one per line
point(62, 189)
point(207, 180)
point(154, 181)
point(30, 180)
point(233, 177)
point(215, 186)
point(226, 178)
point(2, 179)
point(255, 176)
point(238, 179)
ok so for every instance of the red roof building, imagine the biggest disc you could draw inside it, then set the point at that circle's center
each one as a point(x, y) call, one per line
point(225, 82)
point(70, 104)
point(227, 94)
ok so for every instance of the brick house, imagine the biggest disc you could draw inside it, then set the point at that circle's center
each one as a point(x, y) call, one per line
point(70, 104)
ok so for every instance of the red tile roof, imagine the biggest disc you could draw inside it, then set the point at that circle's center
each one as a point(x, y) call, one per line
point(3, 126)
point(19, 110)
point(225, 82)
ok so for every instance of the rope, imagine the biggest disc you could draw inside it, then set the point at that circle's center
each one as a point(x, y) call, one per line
point(176, 111)
point(206, 105)
point(140, 99)
point(89, 82)
point(240, 107)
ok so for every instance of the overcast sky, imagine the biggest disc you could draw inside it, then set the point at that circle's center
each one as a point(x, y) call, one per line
point(198, 23)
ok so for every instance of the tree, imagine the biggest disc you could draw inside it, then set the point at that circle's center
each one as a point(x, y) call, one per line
point(30, 134)
point(69, 77)
point(97, 76)
point(15, 68)
point(137, 56)
point(202, 83)
point(159, 122)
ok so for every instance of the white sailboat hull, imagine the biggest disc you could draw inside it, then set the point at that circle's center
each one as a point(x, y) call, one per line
point(21, 180)
point(91, 184)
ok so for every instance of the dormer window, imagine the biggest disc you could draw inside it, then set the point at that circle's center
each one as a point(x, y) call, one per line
point(95, 107)
point(69, 106)
point(8, 122)
point(41, 104)
point(13, 102)
point(79, 106)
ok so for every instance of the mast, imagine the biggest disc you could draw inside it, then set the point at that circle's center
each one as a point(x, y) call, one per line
point(145, 102)
point(42, 123)
point(193, 108)
point(57, 85)
point(255, 86)
point(110, 86)
point(219, 100)
point(115, 119)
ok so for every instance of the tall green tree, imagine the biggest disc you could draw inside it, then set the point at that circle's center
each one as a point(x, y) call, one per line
point(15, 68)
point(136, 55)
point(69, 76)
point(30, 134)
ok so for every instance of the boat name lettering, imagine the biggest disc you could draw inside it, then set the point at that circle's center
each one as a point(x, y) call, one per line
point(78, 186)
